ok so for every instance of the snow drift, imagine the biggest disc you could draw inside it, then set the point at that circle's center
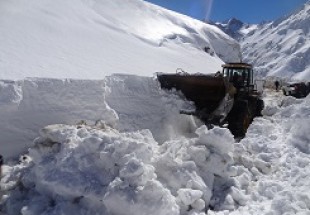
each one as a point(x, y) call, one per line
point(89, 39)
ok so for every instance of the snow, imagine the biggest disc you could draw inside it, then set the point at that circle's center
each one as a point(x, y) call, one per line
point(281, 142)
point(93, 133)
point(28, 105)
point(236, 28)
point(98, 169)
point(281, 48)
point(65, 45)
point(90, 39)
point(101, 169)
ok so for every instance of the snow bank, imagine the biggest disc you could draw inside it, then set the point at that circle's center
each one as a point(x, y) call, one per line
point(126, 102)
point(26, 106)
point(94, 170)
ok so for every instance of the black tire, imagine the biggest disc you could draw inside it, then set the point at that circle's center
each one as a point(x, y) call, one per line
point(239, 119)
point(259, 107)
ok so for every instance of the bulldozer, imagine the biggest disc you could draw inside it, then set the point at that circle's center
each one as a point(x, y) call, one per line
point(226, 98)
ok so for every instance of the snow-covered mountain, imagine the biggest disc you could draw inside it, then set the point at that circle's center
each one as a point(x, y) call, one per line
point(281, 48)
point(89, 39)
point(236, 28)
point(119, 145)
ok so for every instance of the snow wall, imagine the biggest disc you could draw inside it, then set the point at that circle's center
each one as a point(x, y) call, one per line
point(27, 106)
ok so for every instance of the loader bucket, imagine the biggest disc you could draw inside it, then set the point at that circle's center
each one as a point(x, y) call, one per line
point(206, 91)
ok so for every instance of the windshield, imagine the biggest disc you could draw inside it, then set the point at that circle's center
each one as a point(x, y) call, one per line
point(241, 75)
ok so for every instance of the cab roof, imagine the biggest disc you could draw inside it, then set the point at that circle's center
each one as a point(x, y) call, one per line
point(237, 65)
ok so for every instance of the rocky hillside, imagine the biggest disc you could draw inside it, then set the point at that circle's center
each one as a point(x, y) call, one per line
point(235, 28)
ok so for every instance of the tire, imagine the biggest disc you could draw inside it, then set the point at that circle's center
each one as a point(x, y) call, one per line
point(259, 107)
point(239, 119)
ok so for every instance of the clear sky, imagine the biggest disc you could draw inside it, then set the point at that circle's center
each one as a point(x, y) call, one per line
point(250, 11)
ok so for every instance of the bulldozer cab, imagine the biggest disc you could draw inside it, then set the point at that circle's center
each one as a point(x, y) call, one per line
point(239, 74)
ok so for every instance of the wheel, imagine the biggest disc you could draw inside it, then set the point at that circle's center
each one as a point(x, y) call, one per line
point(259, 107)
point(239, 119)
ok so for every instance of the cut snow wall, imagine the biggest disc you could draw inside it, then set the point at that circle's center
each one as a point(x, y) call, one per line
point(27, 106)
point(136, 103)
point(141, 104)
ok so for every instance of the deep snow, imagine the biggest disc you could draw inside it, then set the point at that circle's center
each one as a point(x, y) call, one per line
point(119, 145)
point(89, 39)
point(100, 170)
point(126, 102)
point(92, 40)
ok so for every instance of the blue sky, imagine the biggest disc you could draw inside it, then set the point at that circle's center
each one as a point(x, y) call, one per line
point(251, 11)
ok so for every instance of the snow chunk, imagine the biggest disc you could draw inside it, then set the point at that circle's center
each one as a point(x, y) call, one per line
point(189, 196)
point(150, 199)
point(218, 139)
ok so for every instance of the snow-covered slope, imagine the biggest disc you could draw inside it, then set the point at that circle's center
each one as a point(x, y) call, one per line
point(281, 48)
point(89, 39)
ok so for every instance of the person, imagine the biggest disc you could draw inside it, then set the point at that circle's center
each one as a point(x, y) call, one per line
point(277, 84)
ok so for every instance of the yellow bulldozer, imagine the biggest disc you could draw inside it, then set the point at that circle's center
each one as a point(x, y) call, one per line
point(227, 97)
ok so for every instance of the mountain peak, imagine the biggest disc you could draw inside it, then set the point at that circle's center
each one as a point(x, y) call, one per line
point(235, 28)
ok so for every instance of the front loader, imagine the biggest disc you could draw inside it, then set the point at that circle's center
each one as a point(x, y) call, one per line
point(227, 97)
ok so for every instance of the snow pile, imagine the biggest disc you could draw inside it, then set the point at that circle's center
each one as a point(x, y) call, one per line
point(91, 170)
point(281, 48)
point(274, 161)
point(89, 39)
